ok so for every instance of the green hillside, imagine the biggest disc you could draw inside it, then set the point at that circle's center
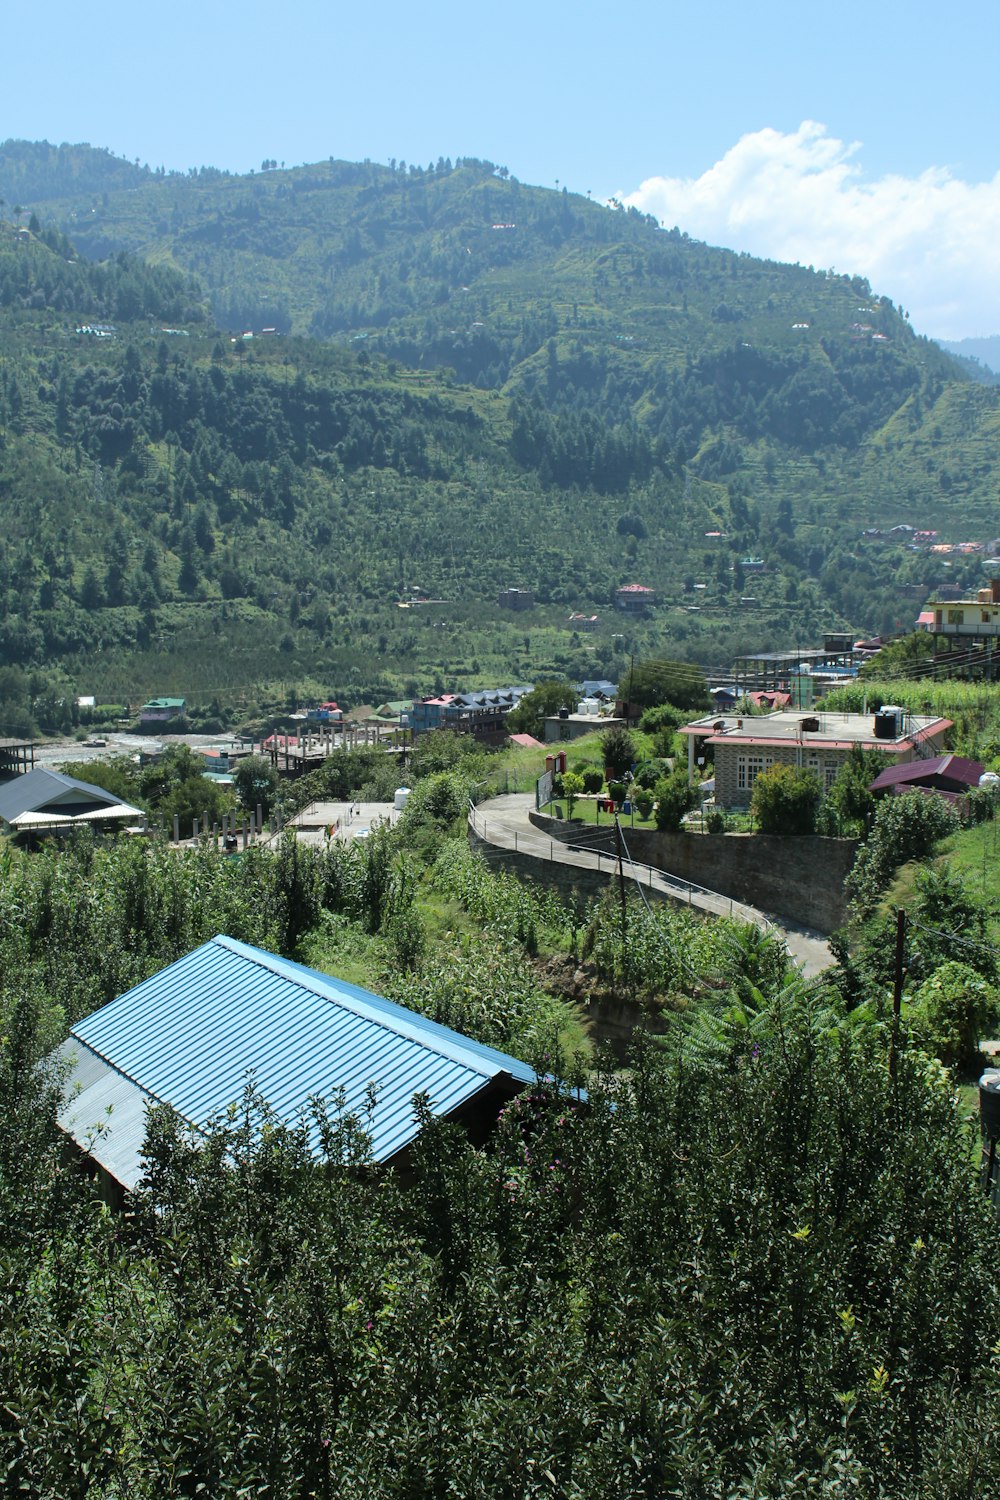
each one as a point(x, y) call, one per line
point(472, 384)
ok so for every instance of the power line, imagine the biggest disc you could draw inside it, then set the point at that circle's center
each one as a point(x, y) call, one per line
point(953, 937)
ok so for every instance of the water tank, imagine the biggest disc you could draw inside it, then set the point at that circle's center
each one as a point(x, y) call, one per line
point(885, 724)
point(989, 778)
point(989, 1103)
point(401, 798)
point(564, 713)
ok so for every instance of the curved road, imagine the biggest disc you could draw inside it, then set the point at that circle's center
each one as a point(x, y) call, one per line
point(504, 823)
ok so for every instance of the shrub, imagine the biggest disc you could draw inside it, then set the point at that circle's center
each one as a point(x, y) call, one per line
point(644, 802)
point(618, 749)
point(785, 800)
point(673, 799)
point(951, 1012)
point(905, 828)
point(593, 781)
point(572, 787)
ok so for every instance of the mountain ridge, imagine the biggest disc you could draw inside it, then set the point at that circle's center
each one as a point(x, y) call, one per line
point(597, 401)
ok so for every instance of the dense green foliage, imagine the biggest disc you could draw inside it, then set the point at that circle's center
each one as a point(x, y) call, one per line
point(761, 1265)
point(753, 1263)
point(674, 797)
point(904, 828)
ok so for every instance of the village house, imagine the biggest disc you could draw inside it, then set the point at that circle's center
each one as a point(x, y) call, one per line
point(44, 801)
point(977, 618)
point(743, 747)
point(950, 776)
point(634, 598)
point(238, 1012)
point(482, 714)
point(159, 710)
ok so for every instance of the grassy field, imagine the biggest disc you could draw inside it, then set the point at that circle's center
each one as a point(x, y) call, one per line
point(974, 855)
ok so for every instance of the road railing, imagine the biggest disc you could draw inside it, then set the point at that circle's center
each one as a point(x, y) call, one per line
point(590, 856)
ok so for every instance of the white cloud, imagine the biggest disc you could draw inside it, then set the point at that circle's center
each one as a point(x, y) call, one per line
point(931, 243)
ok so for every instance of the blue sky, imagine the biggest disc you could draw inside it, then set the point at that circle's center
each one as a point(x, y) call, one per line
point(863, 136)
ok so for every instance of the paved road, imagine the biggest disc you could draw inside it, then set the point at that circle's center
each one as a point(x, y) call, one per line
point(503, 822)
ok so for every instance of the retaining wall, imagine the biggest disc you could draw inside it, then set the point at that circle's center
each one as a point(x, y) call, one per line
point(798, 879)
point(568, 880)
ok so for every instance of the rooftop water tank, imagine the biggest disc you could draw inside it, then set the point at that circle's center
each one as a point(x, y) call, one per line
point(401, 798)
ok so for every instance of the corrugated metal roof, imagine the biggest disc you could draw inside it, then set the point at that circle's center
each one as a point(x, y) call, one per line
point(40, 788)
point(947, 768)
point(192, 1035)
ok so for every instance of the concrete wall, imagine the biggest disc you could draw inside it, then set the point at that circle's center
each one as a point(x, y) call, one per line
point(568, 880)
point(799, 879)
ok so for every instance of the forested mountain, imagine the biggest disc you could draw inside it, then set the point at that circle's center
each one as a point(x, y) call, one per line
point(471, 383)
point(980, 358)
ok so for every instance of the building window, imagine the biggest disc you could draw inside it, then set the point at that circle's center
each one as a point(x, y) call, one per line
point(954, 617)
point(748, 768)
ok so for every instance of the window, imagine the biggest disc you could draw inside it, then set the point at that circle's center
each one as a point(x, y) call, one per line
point(748, 768)
point(955, 616)
point(824, 769)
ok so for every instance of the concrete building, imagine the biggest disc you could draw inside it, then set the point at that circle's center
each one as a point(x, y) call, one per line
point(566, 726)
point(819, 742)
point(972, 619)
point(159, 710)
point(516, 599)
point(482, 714)
point(634, 598)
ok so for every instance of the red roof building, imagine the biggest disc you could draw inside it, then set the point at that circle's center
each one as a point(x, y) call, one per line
point(634, 598)
point(817, 742)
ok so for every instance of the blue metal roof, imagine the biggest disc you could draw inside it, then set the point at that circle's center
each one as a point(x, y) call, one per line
point(191, 1035)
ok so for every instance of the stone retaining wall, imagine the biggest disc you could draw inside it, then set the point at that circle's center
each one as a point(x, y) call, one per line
point(798, 879)
point(568, 880)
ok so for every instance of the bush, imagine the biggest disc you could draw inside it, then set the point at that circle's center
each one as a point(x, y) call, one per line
point(951, 1012)
point(905, 828)
point(592, 782)
point(849, 797)
point(785, 800)
point(643, 800)
point(572, 786)
point(673, 799)
point(650, 773)
point(618, 750)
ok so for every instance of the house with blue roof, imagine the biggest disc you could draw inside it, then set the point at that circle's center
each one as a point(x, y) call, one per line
point(193, 1035)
